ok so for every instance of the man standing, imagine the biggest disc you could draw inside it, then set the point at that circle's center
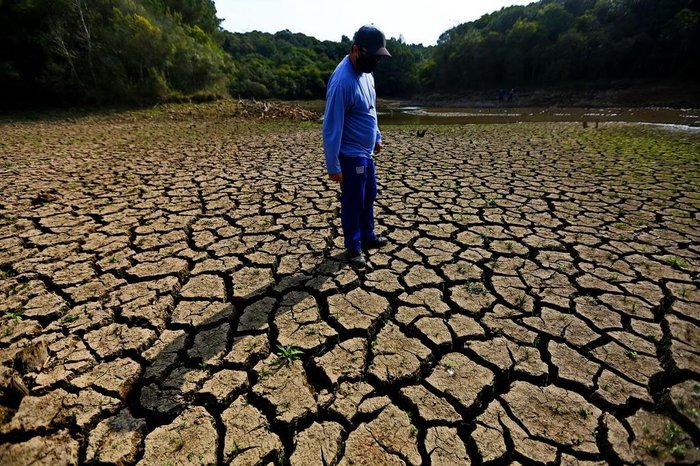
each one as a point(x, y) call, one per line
point(351, 136)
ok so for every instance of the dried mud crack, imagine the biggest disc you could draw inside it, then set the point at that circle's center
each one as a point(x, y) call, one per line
point(172, 292)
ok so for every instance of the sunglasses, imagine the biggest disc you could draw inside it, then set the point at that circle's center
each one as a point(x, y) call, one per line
point(364, 52)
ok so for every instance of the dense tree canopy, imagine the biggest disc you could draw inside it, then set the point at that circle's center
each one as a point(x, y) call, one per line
point(282, 65)
point(560, 41)
point(111, 51)
point(73, 51)
point(295, 66)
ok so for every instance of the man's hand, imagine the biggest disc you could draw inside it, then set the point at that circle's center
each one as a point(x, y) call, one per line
point(337, 177)
point(378, 147)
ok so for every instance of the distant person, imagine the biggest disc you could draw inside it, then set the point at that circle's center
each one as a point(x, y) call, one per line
point(351, 136)
point(510, 94)
point(501, 94)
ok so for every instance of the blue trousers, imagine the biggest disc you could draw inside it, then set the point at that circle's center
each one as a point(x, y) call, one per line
point(357, 195)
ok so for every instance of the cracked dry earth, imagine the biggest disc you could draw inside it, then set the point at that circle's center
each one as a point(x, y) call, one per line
point(538, 302)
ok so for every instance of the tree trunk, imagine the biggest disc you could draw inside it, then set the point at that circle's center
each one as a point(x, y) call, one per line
point(88, 40)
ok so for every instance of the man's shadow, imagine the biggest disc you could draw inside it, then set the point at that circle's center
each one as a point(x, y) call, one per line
point(173, 374)
point(252, 315)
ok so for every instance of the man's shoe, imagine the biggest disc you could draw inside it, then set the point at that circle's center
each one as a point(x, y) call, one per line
point(356, 259)
point(378, 242)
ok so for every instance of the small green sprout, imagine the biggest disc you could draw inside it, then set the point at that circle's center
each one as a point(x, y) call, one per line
point(69, 318)
point(288, 354)
point(475, 288)
point(678, 452)
point(676, 261)
point(16, 315)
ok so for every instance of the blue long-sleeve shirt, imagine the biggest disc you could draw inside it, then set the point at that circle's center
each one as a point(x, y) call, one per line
point(350, 120)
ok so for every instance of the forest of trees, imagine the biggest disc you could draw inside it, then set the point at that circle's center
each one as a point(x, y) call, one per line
point(282, 65)
point(296, 66)
point(561, 41)
point(58, 52)
point(55, 52)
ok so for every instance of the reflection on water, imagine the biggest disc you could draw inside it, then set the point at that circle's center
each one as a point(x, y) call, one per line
point(412, 115)
point(393, 113)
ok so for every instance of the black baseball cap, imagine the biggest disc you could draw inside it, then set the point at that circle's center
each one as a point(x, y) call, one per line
point(371, 38)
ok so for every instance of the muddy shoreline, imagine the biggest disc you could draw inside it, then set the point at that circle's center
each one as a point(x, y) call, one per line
point(615, 95)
